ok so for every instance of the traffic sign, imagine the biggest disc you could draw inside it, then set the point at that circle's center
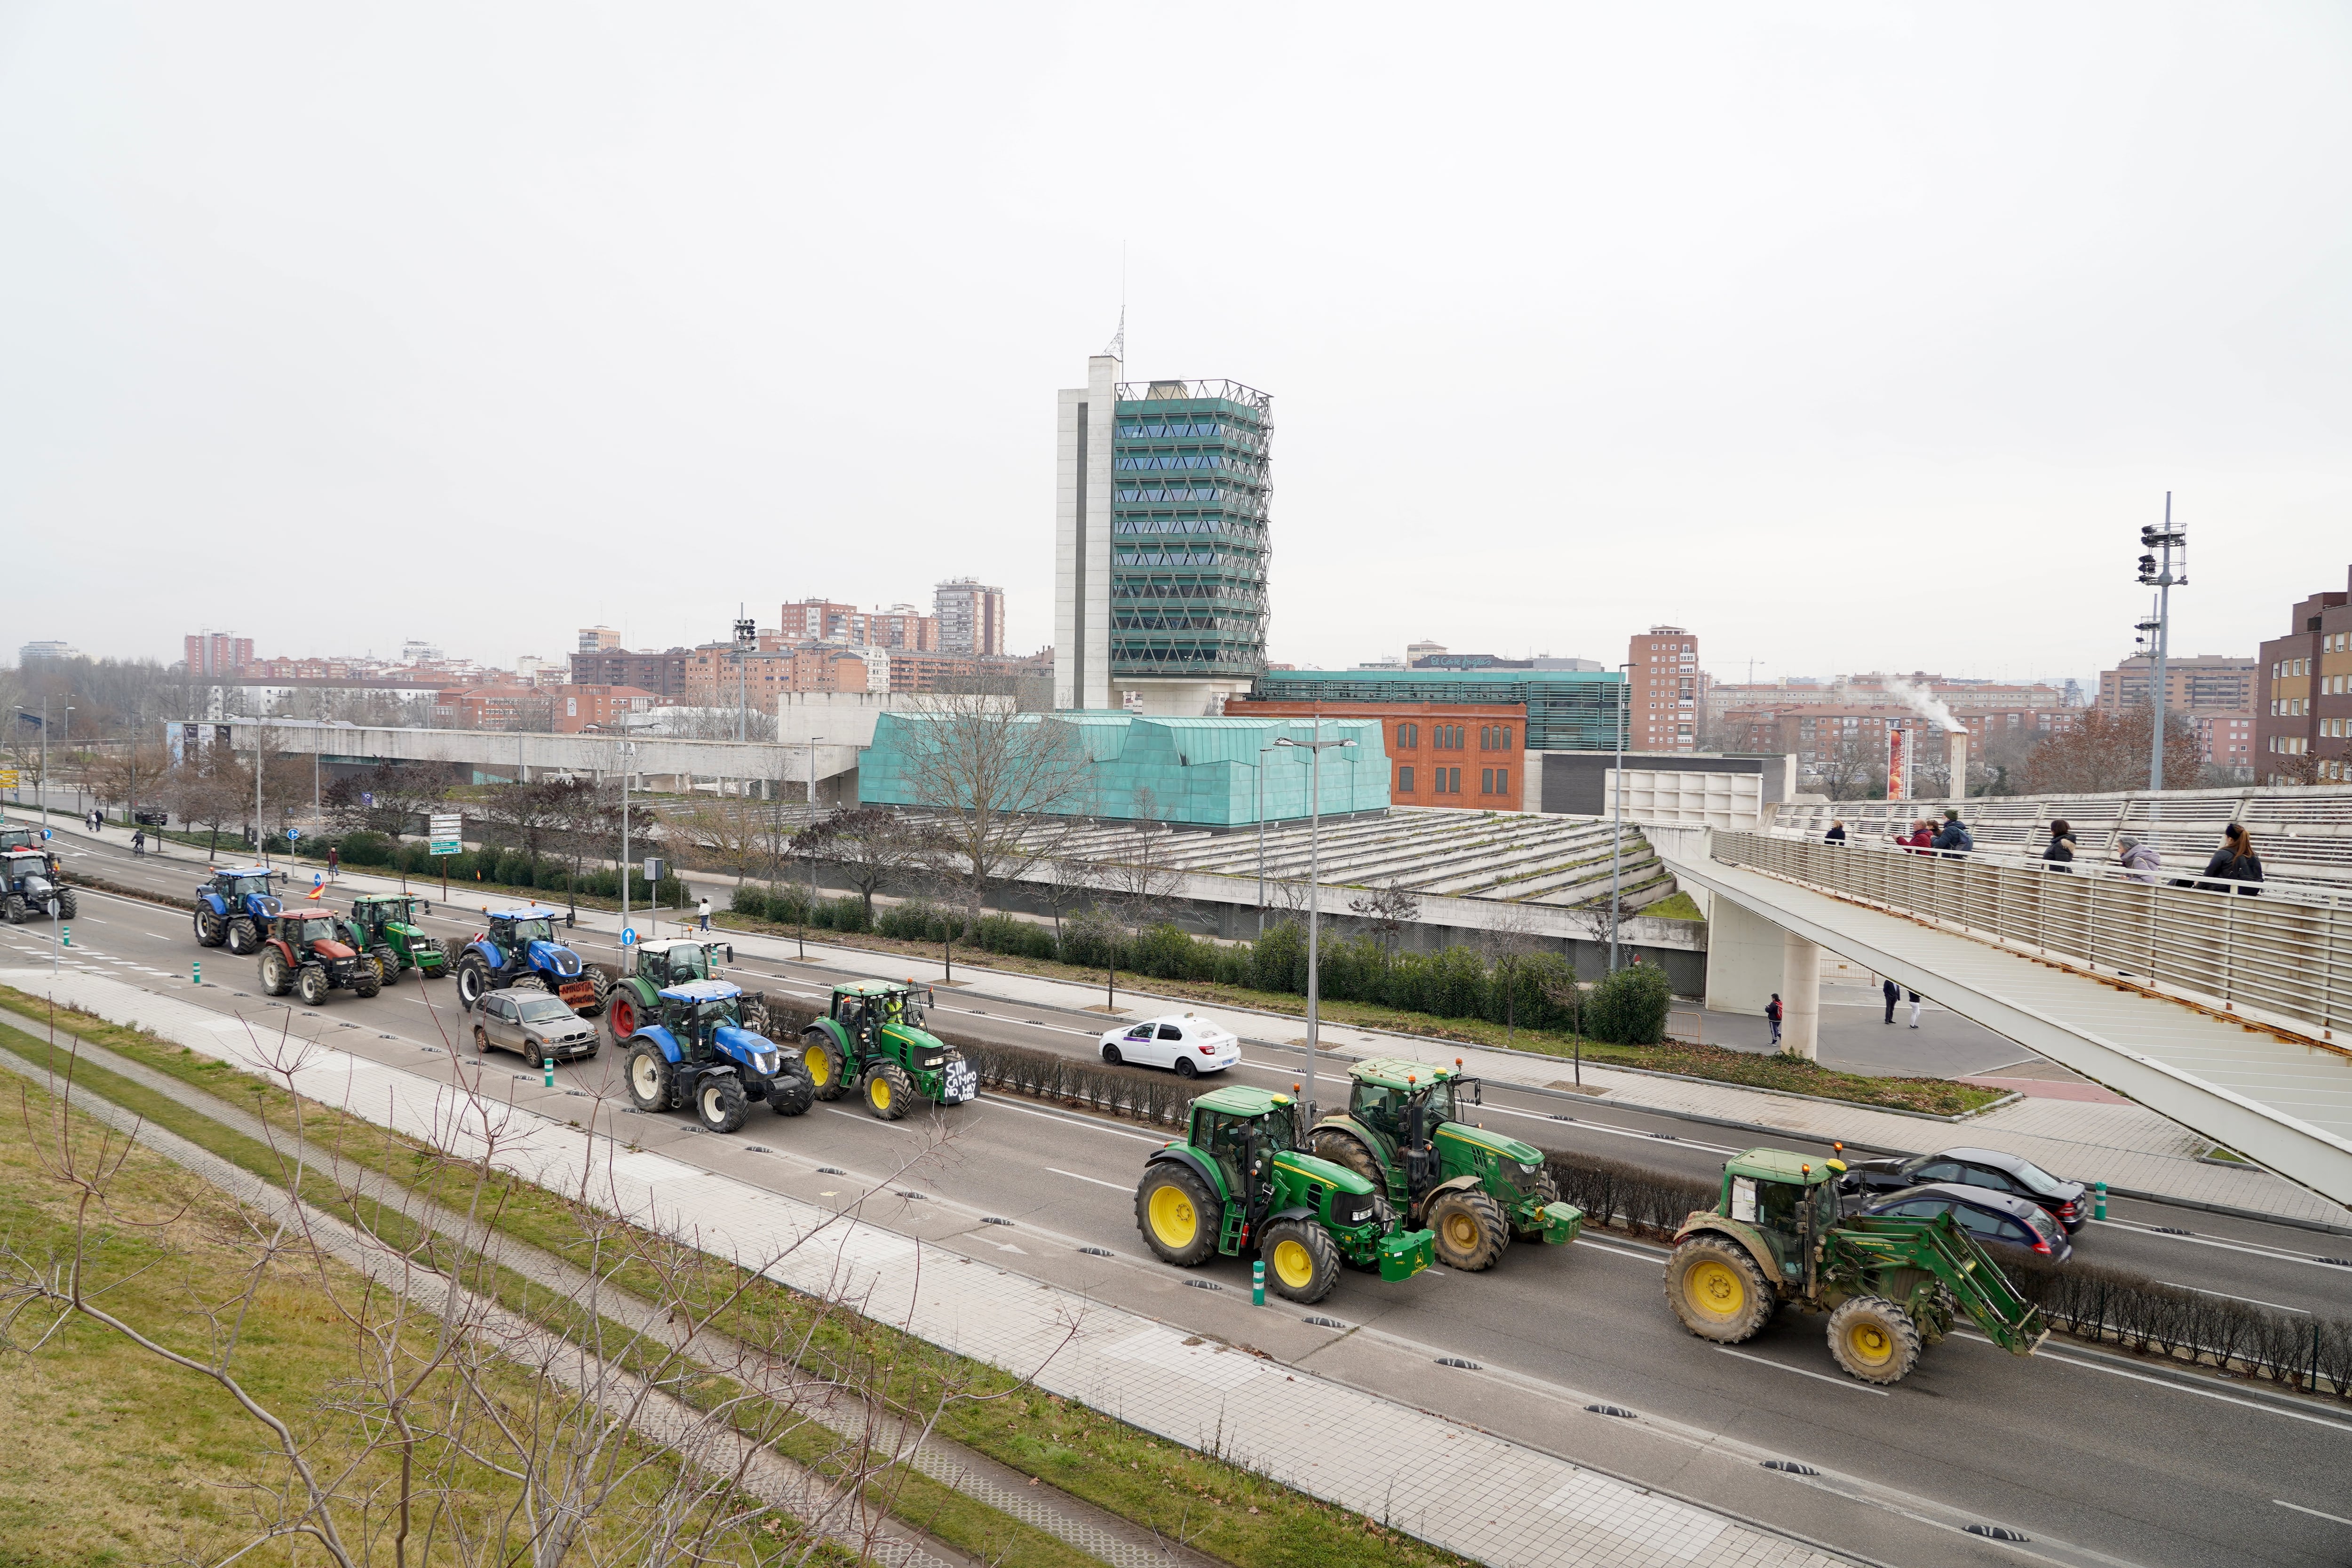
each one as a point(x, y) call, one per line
point(653, 869)
point(628, 936)
point(292, 834)
point(9, 778)
point(447, 833)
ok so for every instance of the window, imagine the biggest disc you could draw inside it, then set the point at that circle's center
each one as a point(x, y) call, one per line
point(1485, 781)
point(1502, 781)
point(1404, 781)
point(1408, 737)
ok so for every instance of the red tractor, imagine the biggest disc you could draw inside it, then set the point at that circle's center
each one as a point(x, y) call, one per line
point(310, 952)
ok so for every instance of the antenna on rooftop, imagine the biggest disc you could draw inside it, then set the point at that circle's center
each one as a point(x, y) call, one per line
point(1118, 346)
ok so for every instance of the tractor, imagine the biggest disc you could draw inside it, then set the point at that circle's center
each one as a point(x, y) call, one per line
point(648, 966)
point(1476, 1190)
point(519, 950)
point(29, 879)
point(1237, 1180)
point(235, 908)
point(308, 952)
point(873, 1034)
point(14, 838)
point(386, 926)
point(691, 1049)
point(1891, 1286)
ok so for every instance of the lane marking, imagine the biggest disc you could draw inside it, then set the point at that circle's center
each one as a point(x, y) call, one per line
point(2227, 1296)
point(2263, 1407)
point(1657, 1258)
point(2315, 1513)
point(2253, 1249)
point(1846, 1383)
point(1098, 1181)
point(1075, 1120)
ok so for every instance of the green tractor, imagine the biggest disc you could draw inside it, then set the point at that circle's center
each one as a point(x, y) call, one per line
point(385, 925)
point(1475, 1190)
point(1238, 1181)
point(1891, 1286)
point(873, 1034)
point(647, 968)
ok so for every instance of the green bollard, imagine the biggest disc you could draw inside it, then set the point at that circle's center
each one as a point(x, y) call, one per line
point(65, 936)
point(1257, 1282)
point(197, 966)
point(2098, 1200)
point(549, 1063)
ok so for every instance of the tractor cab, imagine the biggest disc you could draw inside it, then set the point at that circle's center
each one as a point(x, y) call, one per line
point(29, 879)
point(242, 890)
point(1242, 1130)
point(1790, 1200)
point(1406, 1102)
point(863, 1007)
point(319, 933)
point(375, 913)
point(694, 1011)
point(516, 929)
point(677, 962)
point(21, 838)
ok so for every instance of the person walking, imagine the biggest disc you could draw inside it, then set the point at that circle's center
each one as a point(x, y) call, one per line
point(334, 863)
point(1772, 1011)
point(1893, 994)
point(703, 909)
point(1836, 835)
point(2141, 861)
point(1954, 840)
point(2235, 861)
point(2061, 847)
point(1915, 1008)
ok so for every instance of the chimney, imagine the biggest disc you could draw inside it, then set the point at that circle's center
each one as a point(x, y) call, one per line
point(1956, 751)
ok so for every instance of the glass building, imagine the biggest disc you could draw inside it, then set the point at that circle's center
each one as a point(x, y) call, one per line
point(1568, 710)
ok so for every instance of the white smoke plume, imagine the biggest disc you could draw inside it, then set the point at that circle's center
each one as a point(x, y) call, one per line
point(1922, 703)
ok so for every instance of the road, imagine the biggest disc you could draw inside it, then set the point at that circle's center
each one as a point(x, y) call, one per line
point(2093, 1455)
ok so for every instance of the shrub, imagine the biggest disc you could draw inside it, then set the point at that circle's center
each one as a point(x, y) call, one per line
point(1278, 959)
point(749, 900)
point(365, 848)
point(1168, 952)
point(1629, 1007)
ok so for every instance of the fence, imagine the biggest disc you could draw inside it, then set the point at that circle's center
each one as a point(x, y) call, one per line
point(2285, 956)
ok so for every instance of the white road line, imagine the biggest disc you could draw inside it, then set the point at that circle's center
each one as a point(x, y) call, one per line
point(2267, 1409)
point(1817, 1376)
point(1072, 1121)
point(2333, 1518)
point(1623, 1252)
point(2252, 1250)
point(870, 1121)
point(2227, 1296)
point(1114, 1186)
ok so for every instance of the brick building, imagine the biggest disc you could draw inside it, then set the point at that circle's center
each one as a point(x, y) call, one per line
point(218, 653)
point(663, 674)
point(489, 708)
point(824, 620)
point(1667, 695)
point(1469, 756)
point(2303, 729)
point(2209, 683)
point(577, 707)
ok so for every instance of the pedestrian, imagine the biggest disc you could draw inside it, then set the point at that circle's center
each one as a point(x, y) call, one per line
point(2061, 848)
point(1893, 994)
point(1954, 840)
point(334, 863)
point(1772, 1011)
point(1836, 835)
point(1917, 840)
point(2141, 861)
point(703, 909)
point(2234, 860)
point(1915, 1008)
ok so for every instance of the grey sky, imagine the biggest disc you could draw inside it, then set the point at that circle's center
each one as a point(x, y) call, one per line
point(1848, 337)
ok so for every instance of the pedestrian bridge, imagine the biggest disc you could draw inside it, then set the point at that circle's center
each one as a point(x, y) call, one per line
point(2227, 1014)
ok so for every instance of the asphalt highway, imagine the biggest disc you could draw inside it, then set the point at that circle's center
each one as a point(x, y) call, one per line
point(2095, 1455)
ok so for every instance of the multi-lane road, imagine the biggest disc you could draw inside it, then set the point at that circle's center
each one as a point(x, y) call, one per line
point(2096, 1456)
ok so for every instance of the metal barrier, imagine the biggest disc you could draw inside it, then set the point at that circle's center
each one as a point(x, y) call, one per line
point(2285, 955)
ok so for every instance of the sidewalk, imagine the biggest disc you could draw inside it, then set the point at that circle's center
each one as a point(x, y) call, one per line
point(1451, 1484)
point(2136, 1151)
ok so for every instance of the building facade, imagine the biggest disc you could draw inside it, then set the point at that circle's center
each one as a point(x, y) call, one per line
point(1464, 755)
point(598, 639)
point(218, 653)
point(2209, 683)
point(1665, 697)
point(971, 617)
point(1161, 543)
point(826, 620)
point(2303, 729)
point(663, 674)
point(574, 708)
point(1565, 709)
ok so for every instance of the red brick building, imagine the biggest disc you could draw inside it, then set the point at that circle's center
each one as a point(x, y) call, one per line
point(1464, 755)
point(578, 707)
point(487, 707)
point(2303, 729)
point(1667, 694)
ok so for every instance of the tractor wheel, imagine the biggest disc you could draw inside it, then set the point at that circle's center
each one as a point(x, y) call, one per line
point(790, 1092)
point(525, 983)
point(1717, 1291)
point(719, 1104)
point(649, 1079)
point(603, 984)
point(1471, 1229)
point(244, 936)
point(13, 909)
point(68, 905)
point(828, 1075)
point(275, 979)
point(888, 1091)
point(1873, 1340)
point(473, 979)
point(367, 977)
point(310, 985)
point(1176, 1215)
point(1543, 1190)
point(210, 930)
point(387, 964)
point(755, 1015)
point(621, 1013)
point(1302, 1262)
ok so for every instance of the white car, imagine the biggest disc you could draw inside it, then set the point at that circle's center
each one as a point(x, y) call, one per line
point(1191, 1046)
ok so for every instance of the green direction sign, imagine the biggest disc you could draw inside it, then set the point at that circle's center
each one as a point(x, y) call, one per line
point(446, 831)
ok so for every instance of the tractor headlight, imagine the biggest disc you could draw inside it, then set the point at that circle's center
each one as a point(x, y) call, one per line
point(766, 1062)
point(936, 1062)
point(1530, 1169)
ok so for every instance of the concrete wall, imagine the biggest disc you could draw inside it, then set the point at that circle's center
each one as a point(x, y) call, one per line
point(1743, 960)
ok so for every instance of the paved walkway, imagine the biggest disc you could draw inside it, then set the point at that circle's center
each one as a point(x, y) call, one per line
point(1450, 1484)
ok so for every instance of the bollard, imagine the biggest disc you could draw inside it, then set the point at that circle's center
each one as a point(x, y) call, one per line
point(65, 936)
point(1257, 1282)
point(197, 966)
point(549, 1063)
point(2098, 1200)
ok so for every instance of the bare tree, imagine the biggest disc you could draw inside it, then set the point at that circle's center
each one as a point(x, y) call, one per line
point(1136, 881)
point(2109, 751)
point(1567, 992)
point(526, 815)
point(384, 801)
point(208, 787)
point(1007, 787)
point(874, 847)
point(131, 773)
point(1511, 947)
point(1852, 767)
point(1388, 910)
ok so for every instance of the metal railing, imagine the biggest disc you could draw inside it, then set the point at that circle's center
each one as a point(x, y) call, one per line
point(2283, 956)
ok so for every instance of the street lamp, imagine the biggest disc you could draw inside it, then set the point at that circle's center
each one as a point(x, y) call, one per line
point(2156, 571)
point(1617, 833)
point(808, 904)
point(628, 761)
point(1262, 750)
point(1316, 747)
point(747, 638)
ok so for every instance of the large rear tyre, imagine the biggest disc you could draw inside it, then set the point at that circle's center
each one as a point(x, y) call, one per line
point(1302, 1262)
point(828, 1074)
point(1471, 1230)
point(13, 909)
point(649, 1078)
point(244, 936)
point(1178, 1217)
point(790, 1092)
point(310, 985)
point(277, 979)
point(718, 1103)
point(473, 980)
point(68, 905)
point(603, 984)
point(210, 930)
point(888, 1091)
point(1873, 1340)
point(387, 964)
point(1717, 1291)
point(368, 979)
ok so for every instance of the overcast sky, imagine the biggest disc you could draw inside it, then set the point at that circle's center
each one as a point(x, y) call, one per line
point(1850, 337)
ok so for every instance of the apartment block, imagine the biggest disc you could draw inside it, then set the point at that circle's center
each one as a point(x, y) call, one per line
point(2211, 683)
point(578, 707)
point(663, 673)
point(2302, 728)
point(829, 621)
point(971, 617)
point(218, 653)
point(1667, 692)
point(599, 639)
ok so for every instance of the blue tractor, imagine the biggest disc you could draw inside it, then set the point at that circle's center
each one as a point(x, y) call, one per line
point(519, 952)
point(236, 910)
point(30, 880)
point(694, 1051)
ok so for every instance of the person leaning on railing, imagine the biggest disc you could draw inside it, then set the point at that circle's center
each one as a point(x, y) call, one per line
point(1954, 840)
point(1836, 835)
point(2141, 861)
point(1918, 841)
point(2236, 861)
point(2061, 848)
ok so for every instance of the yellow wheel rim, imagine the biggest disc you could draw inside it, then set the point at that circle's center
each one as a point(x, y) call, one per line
point(1460, 1232)
point(1870, 1343)
point(1714, 1288)
point(879, 1092)
point(820, 1068)
point(1173, 1220)
point(1293, 1263)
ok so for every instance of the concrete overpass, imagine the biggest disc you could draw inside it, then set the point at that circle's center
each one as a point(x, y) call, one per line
point(2225, 1013)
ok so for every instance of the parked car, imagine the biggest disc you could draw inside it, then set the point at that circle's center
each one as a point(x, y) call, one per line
point(531, 1021)
point(1994, 1218)
point(1191, 1046)
point(2068, 1201)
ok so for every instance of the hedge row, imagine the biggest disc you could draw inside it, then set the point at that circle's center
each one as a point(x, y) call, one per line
point(503, 867)
point(2093, 1302)
point(1628, 1007)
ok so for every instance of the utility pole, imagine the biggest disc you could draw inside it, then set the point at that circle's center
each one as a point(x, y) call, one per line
point(628, 762)
point(1262, 750)
point(2156, 571)
point(1617, 832)
point(808, 904)
point(747, 638)
point(1315, 748)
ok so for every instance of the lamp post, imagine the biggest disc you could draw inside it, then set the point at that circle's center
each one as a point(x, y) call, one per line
point(1315, 748)
point(2155, 565)
point(808, 904)
point(1262, 750)
point(1617, 832)
point(628, 761)
point(747, 638)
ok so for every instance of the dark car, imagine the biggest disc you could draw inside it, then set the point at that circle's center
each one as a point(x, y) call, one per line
point(1995, 1219)
point(2069, 1203)
point(531, 1021)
